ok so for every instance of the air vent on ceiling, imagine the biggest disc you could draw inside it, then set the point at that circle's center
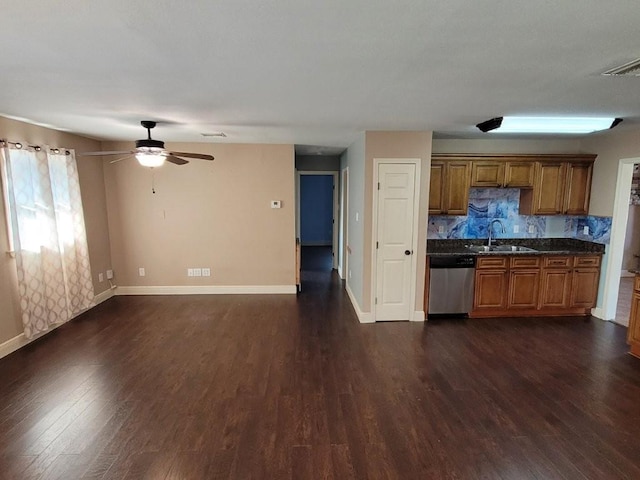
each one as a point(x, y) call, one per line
point(214, 134)
point(631, 69)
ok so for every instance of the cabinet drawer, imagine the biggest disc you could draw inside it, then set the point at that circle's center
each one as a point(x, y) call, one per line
point(557, 261)
point(524, 262)
point(491, 262)
point(587, 261)
point(636, 283)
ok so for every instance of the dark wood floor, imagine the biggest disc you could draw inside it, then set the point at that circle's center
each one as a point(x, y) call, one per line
point(277, 387)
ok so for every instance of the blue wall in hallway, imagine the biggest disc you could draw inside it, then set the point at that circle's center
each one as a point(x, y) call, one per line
point(316, 209)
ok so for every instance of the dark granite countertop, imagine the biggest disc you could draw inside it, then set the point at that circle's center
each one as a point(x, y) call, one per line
point(542, 246)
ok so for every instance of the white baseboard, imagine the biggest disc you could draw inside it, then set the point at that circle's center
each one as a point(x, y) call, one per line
point(363, 317)
point(599, 313)
point(104, 296)
point(13, 344)
point(418, 316)
point(207, 290)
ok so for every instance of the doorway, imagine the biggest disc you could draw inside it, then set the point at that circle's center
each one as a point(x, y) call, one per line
point(317, 212)
point(615, 251)
point(395, 233)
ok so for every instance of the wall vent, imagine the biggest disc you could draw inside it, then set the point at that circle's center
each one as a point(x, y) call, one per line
point(631, 69)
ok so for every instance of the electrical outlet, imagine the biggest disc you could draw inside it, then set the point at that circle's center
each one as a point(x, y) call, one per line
point(101, 277)
point(197, 272)
point(141, 272)
point(532, 229)
point(516, 228)
point(189, 272)
point(585, 230)
point(206, 272)
point(440, 228)
point(109, 274)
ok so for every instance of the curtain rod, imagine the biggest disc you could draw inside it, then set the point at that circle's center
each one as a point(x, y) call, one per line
point(37, 148)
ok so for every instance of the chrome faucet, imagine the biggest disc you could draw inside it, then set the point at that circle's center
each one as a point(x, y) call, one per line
point(499, 222)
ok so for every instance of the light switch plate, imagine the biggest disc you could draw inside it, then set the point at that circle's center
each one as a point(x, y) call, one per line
point(440, 229)
point(109, 274)
point(206, 272)
point(585, 230)
point(516, 228)
point(101, 277)
point(276, 204)
point(532, 229)
point(197, 272)
point(189, 272)
point(141, 272)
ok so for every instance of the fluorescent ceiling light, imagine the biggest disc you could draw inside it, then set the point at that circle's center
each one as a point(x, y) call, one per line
point(553, 124)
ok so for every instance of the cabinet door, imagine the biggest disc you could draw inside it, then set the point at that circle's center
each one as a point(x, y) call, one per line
point(584, 289)
point(523, 288)
point(555, 288)
point(633, 333)
point(490, 289)
point(458, 179)
point(487, 174)
point(578, 188)
point(519, 174)
point(549, 188)
point(436, 188)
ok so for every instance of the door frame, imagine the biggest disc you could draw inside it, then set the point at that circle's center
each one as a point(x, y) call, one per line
point(344, 224)
point(615, 249)
point(335, 209)
point(413, 316)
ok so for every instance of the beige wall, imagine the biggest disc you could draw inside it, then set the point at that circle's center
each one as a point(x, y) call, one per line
point(95, 212)
point(396, 145)
point(213, 215)
point(610, 148)
point(505, 146)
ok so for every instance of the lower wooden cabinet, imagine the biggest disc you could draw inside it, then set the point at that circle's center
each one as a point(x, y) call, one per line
point(523, 288)
point(536, 285)
point(633, 333)
point(490, 290)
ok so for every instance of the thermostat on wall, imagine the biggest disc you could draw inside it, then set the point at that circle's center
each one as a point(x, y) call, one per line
point(276, 204)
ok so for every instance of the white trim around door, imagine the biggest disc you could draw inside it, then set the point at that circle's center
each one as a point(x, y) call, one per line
point(615, 249)
point(412, 314)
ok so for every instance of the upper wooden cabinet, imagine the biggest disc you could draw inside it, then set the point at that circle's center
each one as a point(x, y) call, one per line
point(449, 187)
point(515, 174)
point(560, 188)
point(549, 184)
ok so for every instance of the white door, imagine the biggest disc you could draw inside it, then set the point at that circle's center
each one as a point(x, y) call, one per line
point(394, 252)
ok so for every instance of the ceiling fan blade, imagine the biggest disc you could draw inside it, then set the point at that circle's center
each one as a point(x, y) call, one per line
point(201, 156)
point(96, 154)
point(176, 160)
point(120, 159)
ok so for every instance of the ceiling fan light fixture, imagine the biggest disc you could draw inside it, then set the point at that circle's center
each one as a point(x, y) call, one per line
point(151, 157)
point(551, 125)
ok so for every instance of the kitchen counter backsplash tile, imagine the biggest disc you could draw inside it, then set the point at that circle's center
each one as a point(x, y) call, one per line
point(488, 204)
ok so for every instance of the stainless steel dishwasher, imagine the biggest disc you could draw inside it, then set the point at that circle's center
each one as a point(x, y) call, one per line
point(451, 283)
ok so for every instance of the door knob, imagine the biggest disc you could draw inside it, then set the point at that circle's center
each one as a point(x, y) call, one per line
point(407, 252)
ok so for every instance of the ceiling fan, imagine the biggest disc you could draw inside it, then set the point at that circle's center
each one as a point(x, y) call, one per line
point(151, 153)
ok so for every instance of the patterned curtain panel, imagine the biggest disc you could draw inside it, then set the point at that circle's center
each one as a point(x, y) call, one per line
point(50, 241)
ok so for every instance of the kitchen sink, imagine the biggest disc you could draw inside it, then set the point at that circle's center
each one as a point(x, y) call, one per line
point(499, 248)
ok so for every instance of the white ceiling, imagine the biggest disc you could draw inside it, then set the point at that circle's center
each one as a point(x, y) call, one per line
point(312, 73)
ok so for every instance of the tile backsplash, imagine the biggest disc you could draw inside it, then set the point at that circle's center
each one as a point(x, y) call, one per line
point(488, 204)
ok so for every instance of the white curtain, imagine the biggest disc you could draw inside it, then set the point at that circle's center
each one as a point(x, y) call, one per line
point(49, 237)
